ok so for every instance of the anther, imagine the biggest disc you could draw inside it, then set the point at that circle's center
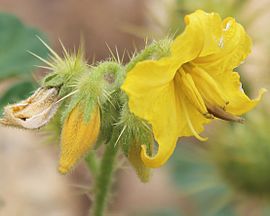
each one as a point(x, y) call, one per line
point(222, 114)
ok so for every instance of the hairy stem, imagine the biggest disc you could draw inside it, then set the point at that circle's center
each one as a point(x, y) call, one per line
point(104, 180)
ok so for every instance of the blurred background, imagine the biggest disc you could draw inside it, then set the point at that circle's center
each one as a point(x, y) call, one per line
point(228, 175)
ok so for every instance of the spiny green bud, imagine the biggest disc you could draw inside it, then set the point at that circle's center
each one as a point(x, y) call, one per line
point(64, 70)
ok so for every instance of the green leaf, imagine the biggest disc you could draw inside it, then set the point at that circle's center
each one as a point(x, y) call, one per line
point(17, 92)
point(15, 40)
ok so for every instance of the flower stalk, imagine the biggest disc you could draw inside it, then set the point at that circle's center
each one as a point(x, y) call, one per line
point(104, 180)
point(92, 164)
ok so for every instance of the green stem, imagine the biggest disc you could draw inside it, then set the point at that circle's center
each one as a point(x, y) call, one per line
point(104, 180)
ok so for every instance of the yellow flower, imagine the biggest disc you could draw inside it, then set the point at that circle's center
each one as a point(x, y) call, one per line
point(77, 137)
point(180, 93)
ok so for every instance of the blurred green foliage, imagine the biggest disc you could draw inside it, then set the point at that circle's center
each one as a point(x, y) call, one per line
point(194, 173)
point(230, 170)
point(243, 159)
point(160, 212)
point(16, 39)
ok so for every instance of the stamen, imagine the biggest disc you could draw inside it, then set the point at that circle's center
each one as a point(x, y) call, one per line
point(208, 87)
point(222, 114)
point(193, 131)
point(191, 91)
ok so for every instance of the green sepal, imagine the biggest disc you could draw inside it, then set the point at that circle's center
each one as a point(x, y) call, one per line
point(134, 128)
point(109, 116)
point(135, 132)
point(65, 71)
point(52, 80)
point(97, 85)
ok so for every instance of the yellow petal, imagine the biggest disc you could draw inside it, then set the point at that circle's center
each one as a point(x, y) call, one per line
point(159, 107)
point(77, 137)
point(239, 102)
point(201, 34)
point(208, 87)
point(192, 120)
point(186, 121)
point(164, 111)
point(190, 90)
point(235, 45)
point(149, 74)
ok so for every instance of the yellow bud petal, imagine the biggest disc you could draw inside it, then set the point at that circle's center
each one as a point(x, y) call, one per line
point(77, 137)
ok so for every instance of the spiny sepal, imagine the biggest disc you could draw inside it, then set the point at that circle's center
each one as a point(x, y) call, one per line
point(134, 133)
point(64, 70)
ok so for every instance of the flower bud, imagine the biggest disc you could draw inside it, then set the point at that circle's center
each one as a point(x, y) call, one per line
point(78, 136)
point(135, 133)
point(34, 112)
point(134, 158)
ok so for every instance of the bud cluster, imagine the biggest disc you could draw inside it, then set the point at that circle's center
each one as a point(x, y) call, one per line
point(86, 104)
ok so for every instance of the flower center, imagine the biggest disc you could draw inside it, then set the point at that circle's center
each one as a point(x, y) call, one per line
point(203, 92)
